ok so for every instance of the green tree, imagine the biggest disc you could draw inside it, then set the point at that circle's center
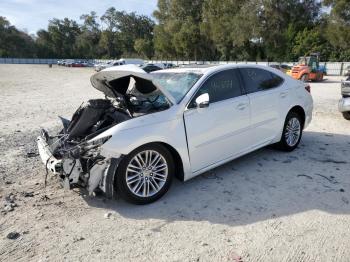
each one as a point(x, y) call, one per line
point(44, 45)
point(144, 47)
point(311, 41)
point(109, 37)
point(278, 22)
point(13, 42)
point(163, 43)
point(132, 27)
point(231, 25)
point(178, 33)
point(194, 30)
point(87, 41)
point(338, 28)
point(122, 30)
point(63, 36)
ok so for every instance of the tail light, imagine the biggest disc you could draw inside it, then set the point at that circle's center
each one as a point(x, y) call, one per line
point(308, 88)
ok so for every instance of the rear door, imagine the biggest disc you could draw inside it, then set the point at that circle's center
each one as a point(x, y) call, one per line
point(219, 131)
point(266, 94)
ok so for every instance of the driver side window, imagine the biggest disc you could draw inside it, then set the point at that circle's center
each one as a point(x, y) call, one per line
point(220, 86)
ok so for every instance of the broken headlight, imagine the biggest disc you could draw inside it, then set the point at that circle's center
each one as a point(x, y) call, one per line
point(93, 148)
point(99, 141)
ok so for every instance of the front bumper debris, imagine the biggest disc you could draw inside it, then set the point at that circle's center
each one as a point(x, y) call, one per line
point(71, 172)
point(344, 105)
point(51, 163)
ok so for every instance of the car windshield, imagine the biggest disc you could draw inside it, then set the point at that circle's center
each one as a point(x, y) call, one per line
point(177, 84)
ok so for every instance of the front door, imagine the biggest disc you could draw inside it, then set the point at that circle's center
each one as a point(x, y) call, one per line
point(219, 131)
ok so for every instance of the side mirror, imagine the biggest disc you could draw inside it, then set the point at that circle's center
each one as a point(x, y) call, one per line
point(202, 101)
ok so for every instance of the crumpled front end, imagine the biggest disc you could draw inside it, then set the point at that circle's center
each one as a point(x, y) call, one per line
point(74, 155)
point(78, 168)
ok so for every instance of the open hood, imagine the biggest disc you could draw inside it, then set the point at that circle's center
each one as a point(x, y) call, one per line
point(116, 81)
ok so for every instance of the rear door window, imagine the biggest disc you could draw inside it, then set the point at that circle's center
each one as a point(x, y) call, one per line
point(257, 79)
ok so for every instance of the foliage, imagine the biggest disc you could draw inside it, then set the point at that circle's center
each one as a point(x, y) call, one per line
point(14, 43)
point(311, 41)
point(88, 40)
point(178, 33)
point(195, 30)
point(144, 48)
point(122, 30)
point(338, 28)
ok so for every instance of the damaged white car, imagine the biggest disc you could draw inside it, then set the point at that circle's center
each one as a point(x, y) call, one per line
point(171, 123)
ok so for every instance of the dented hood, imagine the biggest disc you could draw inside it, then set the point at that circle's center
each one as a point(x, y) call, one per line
point(116, 81)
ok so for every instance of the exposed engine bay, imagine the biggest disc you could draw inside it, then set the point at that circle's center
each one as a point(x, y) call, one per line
point(72, 155)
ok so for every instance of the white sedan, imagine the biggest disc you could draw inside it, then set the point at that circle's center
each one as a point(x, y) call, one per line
point(171, 123)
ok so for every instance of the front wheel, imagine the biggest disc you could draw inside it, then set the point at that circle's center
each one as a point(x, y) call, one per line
point(292, 132)
point(145, 174)
point(346, 115)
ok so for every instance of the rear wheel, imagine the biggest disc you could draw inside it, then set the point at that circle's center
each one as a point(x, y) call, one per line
point(319, 76)
point(346, 115)
point(292, 132)
point(145, 174)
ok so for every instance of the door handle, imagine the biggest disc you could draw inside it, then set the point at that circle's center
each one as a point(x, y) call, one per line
point(283, 94)
point(241, 106)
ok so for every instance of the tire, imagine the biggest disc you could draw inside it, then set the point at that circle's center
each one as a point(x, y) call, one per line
point(287, 143)
point(346, 115)
point(304, 78)
point(321, 77)
point(137, 182)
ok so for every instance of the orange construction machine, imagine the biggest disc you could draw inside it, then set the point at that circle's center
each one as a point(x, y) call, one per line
point(308, 68)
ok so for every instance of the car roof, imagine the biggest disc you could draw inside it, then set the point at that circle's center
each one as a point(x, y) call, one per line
point(209, 69)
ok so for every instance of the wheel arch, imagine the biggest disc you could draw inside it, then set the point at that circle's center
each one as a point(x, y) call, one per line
point(300, 111)
point(179, 168)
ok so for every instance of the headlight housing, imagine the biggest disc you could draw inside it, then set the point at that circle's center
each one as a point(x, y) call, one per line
point(93, 148)
point(99, 141)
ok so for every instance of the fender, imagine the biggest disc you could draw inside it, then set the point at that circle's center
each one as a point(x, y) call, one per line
point(125, 141)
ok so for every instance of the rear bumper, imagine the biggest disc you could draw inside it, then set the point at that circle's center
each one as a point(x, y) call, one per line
point(344, 105)
point(308, 119)
point(308, 108)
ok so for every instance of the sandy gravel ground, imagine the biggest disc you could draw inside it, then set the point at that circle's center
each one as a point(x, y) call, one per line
point(266, 206)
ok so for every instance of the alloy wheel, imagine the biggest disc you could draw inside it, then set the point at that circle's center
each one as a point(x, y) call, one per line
point(146, 173)
point(293, 131)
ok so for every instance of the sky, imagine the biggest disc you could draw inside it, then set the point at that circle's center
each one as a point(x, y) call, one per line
point(32, 15)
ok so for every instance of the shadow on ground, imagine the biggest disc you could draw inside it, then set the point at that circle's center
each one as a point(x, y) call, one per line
point(259, 186)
